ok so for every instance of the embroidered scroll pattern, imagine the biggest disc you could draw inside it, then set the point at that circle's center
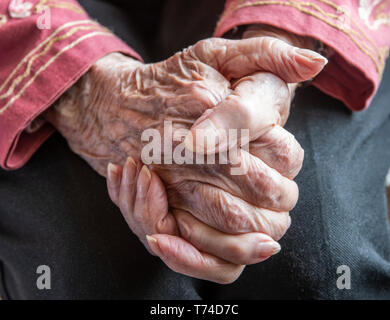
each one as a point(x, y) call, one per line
point(3, 19)
point(57, 4)
point(334, 15)
point(29, 68)
point(373, 13)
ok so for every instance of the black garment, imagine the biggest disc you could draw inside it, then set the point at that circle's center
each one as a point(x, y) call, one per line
point(55, 211)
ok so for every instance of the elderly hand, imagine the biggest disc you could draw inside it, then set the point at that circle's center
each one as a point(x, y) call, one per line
point(104, 114)
point(189, 246)
point(247, 109)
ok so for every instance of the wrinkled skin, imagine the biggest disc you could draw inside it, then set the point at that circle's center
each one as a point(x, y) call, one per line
point(195, 249)
point(104, 114)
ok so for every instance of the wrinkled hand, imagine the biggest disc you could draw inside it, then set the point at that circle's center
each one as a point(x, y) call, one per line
point(192, 248)
point(249, 108)
point(104, 114)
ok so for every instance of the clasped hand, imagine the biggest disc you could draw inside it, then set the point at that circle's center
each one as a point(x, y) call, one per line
point(200, 220)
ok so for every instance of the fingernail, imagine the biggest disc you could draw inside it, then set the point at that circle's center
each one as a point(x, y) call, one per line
point(268, 248)
point(112, 171)
point(143, 182)
point(146, 171)
point(131, 160)
point(153, 245)
point(312, 55)
point(151, 239)
point(129, 172)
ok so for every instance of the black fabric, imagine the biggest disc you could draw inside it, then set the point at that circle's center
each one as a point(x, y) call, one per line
point(55, 211)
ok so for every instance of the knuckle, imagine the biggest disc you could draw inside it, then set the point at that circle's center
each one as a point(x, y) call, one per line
point(291, 157)
point(236, 221)
point(295, 156)
point(138, 217)
point(203, 46)
point(273, 191)
point(278, 192)
point(284, 197)
point(228, 213)
point(275, 224)
point(201, 97)
point(268, 44)
point(290, 198)
point(280, 228)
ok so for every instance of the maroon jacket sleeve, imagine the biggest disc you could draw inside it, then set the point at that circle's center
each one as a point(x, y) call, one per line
point(356, 32)
point(45, 47)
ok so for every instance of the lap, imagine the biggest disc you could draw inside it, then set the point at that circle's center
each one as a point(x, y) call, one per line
point(56, 212)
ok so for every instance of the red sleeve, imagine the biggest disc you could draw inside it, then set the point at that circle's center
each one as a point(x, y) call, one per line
point(45, 47)
point(358, 33)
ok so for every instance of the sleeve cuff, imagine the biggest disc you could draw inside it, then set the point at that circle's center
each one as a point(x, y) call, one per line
point(59, 64)
point(354, 69)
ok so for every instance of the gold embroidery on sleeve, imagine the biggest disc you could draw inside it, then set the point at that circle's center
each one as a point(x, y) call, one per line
point(3, 19)
point(372, 12)
point(59, 5)
point(47, 64)
point(27, 72)
point(48, 39)
point(335, 20)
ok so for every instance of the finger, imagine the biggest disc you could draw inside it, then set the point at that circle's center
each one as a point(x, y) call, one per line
point(151, 205)
point(114, 177)
point(243, 249)
point(127, 192)
point(244, 176)
point(227, 213)
point(239, 58)
point(143, 202)
point(261, 185)
point(184, 258)
point(252, 180)
point(258, 103)
point(279, 149)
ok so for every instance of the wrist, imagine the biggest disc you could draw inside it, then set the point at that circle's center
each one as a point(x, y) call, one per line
point(79, 98)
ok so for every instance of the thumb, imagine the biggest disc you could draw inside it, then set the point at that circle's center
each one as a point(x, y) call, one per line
point(257, 103)
point(239, 58)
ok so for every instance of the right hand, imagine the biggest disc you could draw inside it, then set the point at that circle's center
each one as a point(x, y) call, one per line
point(103, 115)
point(190, 247)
